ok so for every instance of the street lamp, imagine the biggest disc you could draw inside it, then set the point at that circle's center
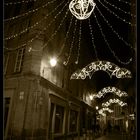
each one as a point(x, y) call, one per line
point(53, 62)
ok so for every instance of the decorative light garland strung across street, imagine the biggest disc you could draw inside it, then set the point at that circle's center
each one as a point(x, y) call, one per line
point(55, 32)
point(92, 39)
point(36, 23)
point(105, 109)
point(110, 68)
point(40, 32)
point(111, 101)
point(124, 20)
point(119, 9)
point(112, 90)
point(79, 45)
point(66, 36)
point(19, 2)
point(101, 113)
point(113, 30)
point(104, 37)
point(129, 3)
point(71, 47)
point(82, 9)
point(30, 11)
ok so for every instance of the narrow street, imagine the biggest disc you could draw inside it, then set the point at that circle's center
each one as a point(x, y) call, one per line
point(116, 137)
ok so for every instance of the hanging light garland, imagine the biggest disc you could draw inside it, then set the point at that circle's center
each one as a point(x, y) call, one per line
point(92, 39)
point(19, 2)
point(110, 68)
point(101, 113)
point(119, 8)
point(36, 23)
point(124, 20)
point(66, 36)
point(40, 32)
point(71, 47)
point(55, 32)
point(79, 45)
point(30, 11)
point(117, 58)
point(105, 109)
point(114, 31)
point(112, 101)
point(110, 90)
point(126, 2)
point(82, 9)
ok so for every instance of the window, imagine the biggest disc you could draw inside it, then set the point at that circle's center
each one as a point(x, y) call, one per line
point(73, 121)
point(6, 59)
point(56, 119)
point(59, 117)
point(6, 110)
point(19, 60)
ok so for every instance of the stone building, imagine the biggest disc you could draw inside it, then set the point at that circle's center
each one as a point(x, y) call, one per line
point(40, 101)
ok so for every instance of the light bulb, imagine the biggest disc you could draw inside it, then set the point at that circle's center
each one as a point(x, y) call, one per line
point(53, 62)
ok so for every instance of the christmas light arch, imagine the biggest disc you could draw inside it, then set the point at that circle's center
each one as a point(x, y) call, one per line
point(110, 68)
point(112, 101)
point(109, 89)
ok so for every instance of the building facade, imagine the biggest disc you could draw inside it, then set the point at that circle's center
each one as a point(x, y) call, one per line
point(40, 101)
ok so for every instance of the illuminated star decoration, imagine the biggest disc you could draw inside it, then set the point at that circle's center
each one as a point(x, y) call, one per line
point(111, 101)
point(81, 9)
point(111, 90)
point(110, 68)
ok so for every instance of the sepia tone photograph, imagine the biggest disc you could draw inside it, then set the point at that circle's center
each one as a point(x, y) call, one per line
point(69, 70)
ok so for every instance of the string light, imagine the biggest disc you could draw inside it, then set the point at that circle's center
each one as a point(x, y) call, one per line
point(19, 2)
point(71, 47)
point(66, 36)
point(105, 109)
point(101, 113)
point(111, 90)
point(55, 17)
point(40, 32)
point(125, 63)
point(116, 14)
point(110, 68)
point(119, 8)
point(126, 43)
point(92, 38)
point(55, 32)
point(126, 2)
point(29, 12)
point(79, 46)
point(82, 9)
point(34, 25)
point(112, 101)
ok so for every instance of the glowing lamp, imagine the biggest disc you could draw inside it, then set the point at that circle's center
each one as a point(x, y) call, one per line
point(53, 62)
point(97, 107)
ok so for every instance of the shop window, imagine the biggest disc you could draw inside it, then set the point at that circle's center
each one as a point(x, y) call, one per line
point(56, 120)
point(6, 110)
point(19, 60)
point(73, 121)
point(59, 117)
